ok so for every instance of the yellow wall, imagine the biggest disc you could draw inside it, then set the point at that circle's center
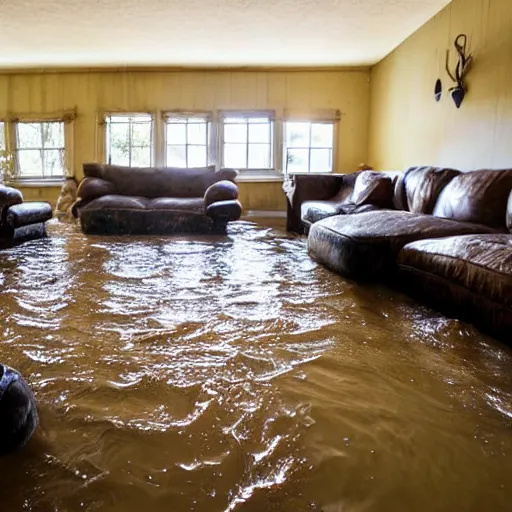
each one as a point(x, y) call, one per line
point(93, 91)
point(407, 127)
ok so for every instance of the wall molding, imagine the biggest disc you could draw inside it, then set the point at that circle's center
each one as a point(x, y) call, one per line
point(179, 69)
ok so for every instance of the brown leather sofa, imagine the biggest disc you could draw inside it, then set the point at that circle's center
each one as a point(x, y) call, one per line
point(446, 241)
point(158, 200)
point(21, 221)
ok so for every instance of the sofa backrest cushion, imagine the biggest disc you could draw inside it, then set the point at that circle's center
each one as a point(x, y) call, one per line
point(346, 188)
point(373, 188)
point(477, 196)
point(422, 186)
point(159, 181)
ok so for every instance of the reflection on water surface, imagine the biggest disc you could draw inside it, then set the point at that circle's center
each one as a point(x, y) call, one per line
point(233, 373)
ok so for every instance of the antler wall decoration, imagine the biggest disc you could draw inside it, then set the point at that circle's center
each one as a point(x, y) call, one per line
point(459, 91)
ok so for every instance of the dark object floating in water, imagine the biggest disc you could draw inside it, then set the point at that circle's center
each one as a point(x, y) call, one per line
point(438, 90)
point(18, 411)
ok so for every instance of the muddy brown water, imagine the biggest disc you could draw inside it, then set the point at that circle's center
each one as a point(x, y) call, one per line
point(235, 374)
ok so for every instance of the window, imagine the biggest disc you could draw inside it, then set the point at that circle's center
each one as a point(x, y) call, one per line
point(187, 140)
point(308, 146)
point(247, 140)
point(5, 159)
point(40, 149)
point(129, 139)
point(3, 145)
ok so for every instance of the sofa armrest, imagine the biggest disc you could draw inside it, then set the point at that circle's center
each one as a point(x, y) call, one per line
point(91, 188)
point(8, 197)
point(221, 191)
point(299, 188)
point(224, 211)
point(31, 212)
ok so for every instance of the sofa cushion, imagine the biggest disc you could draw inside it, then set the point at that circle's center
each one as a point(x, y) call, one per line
point(479, 263)
point(116, 202)
point(477, 196)
point(189, 204)
point(366, 245)
point(372, 188)
point(423, 186)
point(468, 277)
point(313, 211)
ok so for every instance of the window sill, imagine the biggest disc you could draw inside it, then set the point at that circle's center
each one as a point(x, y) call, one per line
point(36, 183)
point(259, 177)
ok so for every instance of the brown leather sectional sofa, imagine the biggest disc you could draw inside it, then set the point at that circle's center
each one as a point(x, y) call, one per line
point(442, 235)
point(117, 200)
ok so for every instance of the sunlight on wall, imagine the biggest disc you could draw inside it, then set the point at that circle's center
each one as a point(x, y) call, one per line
point(407, 127)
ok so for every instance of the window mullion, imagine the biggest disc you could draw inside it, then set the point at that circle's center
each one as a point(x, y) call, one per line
point(247, 145)
point(130, 139)
point(309, 148)
point(152, 148)
point(206, 141)
point(41, 151)
point(186, 143)
point(42, 148)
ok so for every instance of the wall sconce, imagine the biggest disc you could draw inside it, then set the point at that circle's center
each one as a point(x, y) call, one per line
point(459, 91)
point(438, 89)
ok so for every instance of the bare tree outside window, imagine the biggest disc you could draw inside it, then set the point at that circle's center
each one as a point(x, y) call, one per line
point(40, 148)
point(129, 140)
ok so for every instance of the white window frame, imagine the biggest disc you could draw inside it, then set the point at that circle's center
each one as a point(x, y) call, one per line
point(247, 114)
point(187, 115)
point(104, 143)
point(3, 143)
point(11, 132)
point(5, 155)
point(309, 147)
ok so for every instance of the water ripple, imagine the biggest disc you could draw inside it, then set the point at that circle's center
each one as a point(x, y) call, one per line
point(234, 373)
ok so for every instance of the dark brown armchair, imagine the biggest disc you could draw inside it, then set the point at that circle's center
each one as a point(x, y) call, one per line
point(21, 221)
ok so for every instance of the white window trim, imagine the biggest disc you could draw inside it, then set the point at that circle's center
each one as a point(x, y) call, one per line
point(4, 148)
point(325, 116)
point(68, 118)
point(211, 151)
point(247, 173)
point(310, 147)
point(216, 143)
point(4, 122)
point(101, 134)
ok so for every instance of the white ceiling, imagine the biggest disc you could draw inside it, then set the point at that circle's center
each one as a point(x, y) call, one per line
point(211, 33)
